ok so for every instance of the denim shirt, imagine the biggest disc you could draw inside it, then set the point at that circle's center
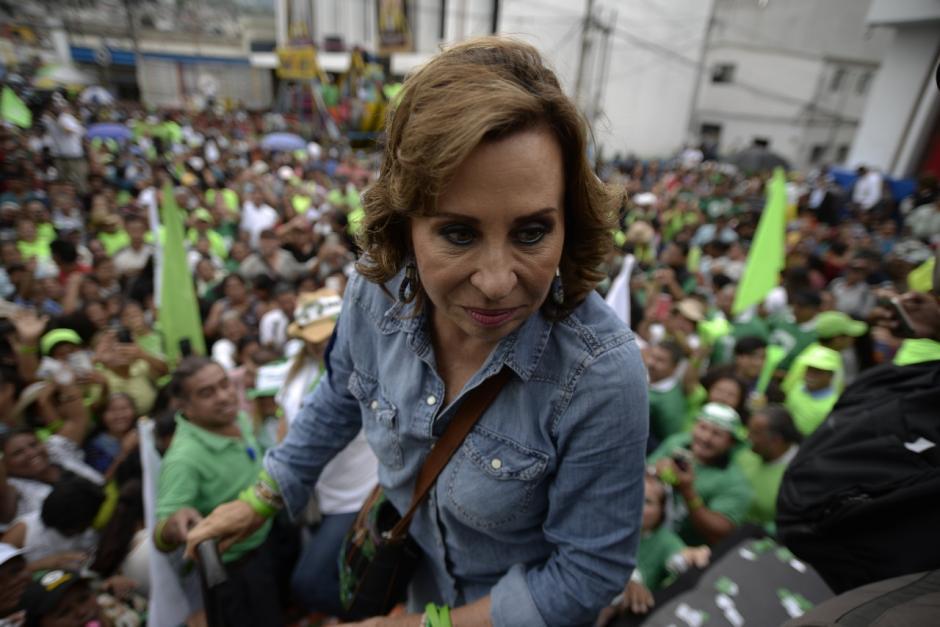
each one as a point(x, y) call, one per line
point(540, 506)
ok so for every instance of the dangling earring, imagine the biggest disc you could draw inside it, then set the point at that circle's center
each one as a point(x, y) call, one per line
point(407, 289)
point(558, 290)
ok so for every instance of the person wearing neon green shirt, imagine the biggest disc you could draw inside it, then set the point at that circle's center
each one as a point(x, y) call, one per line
point(31, 244)
point(774, 441)
point(811, 398)
point(837, 332)
point(112, 235)
point(202, 227)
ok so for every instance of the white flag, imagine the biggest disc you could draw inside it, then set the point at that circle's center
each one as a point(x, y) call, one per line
point(168, 605)
point(618, 297)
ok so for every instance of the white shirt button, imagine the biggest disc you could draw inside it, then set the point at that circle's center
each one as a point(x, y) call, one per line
point(497, 463)
point(374, 405)
point(432, 400)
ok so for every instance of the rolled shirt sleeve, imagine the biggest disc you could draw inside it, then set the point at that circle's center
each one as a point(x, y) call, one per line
point(595, 500)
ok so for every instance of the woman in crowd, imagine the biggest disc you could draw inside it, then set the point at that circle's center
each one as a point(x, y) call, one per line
point(481, 240)
point(117, 437)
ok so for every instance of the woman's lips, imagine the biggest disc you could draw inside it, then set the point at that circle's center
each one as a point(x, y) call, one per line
point(491, 317)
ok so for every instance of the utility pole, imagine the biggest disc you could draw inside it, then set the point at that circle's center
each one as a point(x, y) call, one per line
point(691, 127)
point(586, 43)
point(600, 88)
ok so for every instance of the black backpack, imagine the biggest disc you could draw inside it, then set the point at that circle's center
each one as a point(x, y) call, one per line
point(861, 500)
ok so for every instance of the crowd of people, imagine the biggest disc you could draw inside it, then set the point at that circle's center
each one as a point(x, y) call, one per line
point(272, 241)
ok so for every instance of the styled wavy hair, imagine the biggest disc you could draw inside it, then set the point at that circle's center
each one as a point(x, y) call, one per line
point(481, 90)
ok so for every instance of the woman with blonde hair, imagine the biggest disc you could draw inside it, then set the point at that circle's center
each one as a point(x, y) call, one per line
point(481, 242)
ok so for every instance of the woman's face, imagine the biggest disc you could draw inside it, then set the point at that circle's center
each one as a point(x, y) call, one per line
point(725, 391)
point(132, 317)
point(235, 291)
point(25, 456)
point(119, 416)
point(487, 257)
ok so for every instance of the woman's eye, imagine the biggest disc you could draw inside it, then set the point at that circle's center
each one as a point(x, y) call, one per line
point(531, 235)
point(460, 236)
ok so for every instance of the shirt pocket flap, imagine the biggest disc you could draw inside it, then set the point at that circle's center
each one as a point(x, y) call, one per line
point(502, 459)
point(366, 391)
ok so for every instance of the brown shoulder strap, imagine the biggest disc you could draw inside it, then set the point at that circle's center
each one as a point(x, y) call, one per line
point(456, 432)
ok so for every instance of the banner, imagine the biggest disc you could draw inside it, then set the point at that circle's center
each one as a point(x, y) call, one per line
point(394, 26)
point(298, 63)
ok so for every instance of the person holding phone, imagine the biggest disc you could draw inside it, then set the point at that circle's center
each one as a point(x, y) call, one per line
point(712, 494)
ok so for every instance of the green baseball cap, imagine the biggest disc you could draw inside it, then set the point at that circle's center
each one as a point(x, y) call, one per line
point(57, 336)
point(831, 324)
point(822, 358)
point(203, 215)
point(723, 417)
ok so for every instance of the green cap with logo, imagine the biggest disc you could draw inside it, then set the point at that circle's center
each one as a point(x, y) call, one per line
point(831, 324)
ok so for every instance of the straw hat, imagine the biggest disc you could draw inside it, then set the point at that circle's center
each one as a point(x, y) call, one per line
point(315, 315)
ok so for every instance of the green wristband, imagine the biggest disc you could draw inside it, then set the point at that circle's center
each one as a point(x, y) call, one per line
point(437, 616)
point(260, 507)
point(268, 480)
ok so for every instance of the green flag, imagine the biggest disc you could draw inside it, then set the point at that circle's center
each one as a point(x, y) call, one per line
point(766, 258)
point(178, 309)
point(13, 110)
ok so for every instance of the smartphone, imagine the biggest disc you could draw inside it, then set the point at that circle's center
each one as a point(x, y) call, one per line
point(124, 336)
point(186, 347)
point(683, 459)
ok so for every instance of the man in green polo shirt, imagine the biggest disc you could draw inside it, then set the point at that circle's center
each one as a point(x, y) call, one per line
point(713, 494)
point(774, 443)
point(213, 457)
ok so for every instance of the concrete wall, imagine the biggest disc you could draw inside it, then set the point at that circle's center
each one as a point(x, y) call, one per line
point(900, 12)
point(901, 86)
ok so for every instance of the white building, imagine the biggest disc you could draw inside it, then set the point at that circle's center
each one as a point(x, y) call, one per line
point(794, 75)
point(900, 128)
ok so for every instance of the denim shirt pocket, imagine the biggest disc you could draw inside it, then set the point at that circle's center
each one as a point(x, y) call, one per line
point(379, 419)
point(491, 479)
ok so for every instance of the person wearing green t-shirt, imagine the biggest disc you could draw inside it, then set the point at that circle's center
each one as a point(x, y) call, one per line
point(202, 222)
point(774, 443)
point(795, 331)
point(112, 235)
point(811, 398)
point(213, 457)
point(660, 557)
point(666, 395)
point(836, 332)
point(713, 496)
point(31, 244)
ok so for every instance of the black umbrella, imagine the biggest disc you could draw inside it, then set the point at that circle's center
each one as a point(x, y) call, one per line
point(757, 159)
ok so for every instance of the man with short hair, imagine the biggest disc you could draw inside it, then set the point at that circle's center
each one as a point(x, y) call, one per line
point(213, 457)
point(131, 259)
point(774, 442)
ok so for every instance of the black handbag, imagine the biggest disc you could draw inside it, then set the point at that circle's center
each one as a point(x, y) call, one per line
point(378, 557)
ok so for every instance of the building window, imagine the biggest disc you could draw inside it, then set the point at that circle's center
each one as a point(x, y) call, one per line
point(817, 153)
point(863, 82)
point(842, 153)
point(838, 77)
point(761, 142)
point(723, 73)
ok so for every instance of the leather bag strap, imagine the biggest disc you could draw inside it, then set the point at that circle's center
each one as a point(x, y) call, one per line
point(456, 432)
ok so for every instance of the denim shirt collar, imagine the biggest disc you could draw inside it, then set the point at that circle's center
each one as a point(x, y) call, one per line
point(521, 350)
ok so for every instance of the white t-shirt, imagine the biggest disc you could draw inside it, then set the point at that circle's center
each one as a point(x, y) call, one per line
point(67, 137)
point(867, 190)
point(350, 477)
point(256, 218)
point(42, 541)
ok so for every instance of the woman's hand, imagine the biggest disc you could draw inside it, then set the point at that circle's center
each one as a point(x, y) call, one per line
point(637, 598)
point(229, 523)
